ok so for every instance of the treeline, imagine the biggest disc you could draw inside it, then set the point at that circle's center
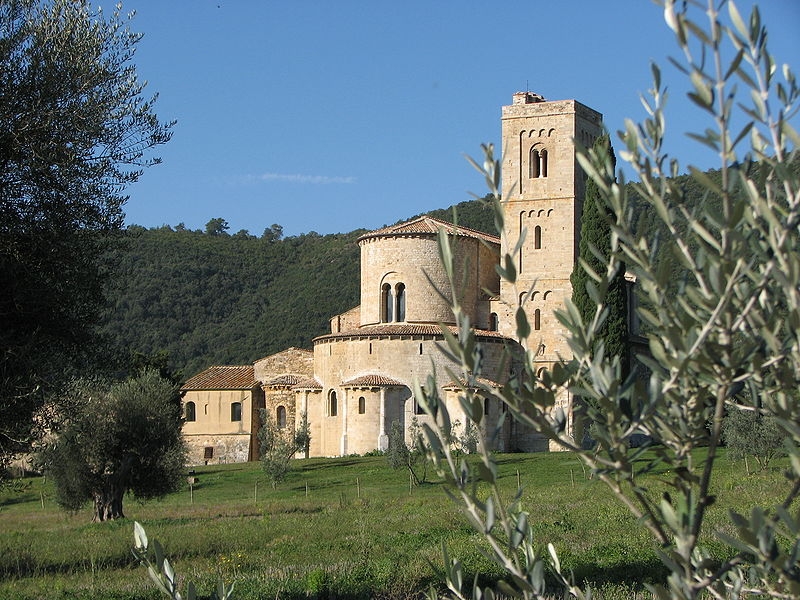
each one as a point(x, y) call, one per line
point(208, 298)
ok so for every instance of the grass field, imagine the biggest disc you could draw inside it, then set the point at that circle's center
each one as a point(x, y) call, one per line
point(343, 528)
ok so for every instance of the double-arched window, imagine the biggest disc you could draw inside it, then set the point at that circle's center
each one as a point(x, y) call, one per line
point(537, 163)
point(393, 303)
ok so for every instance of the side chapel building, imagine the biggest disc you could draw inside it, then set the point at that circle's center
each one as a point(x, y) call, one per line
point(359, 377)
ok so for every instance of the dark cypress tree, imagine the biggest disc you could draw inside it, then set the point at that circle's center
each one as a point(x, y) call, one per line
point(596, 233)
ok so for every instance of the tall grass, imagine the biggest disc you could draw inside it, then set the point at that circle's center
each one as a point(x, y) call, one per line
point(344, 528)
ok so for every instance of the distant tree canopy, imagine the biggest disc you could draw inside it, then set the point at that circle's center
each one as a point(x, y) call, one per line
point(218, 226)
point(206, 299)
point(75, 129)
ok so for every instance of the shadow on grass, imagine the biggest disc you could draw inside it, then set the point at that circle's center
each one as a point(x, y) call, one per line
point(632, 575)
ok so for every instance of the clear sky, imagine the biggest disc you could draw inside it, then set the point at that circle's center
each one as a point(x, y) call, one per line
point(330, 116)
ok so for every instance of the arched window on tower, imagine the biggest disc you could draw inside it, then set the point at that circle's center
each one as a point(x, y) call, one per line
point(543, 163)
point(280, 417)
point(190, 412)
point(493, 322)
point(400, 302)
point(386, 303)
point(362, 405)
point(333, 407)
point(533, 163)
point(537, 237)
point(537, 319)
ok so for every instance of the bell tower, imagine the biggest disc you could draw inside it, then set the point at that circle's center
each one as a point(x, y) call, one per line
point(543, 188)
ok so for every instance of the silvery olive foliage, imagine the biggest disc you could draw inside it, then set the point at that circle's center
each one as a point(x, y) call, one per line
point(730, 337)
point(161, 572)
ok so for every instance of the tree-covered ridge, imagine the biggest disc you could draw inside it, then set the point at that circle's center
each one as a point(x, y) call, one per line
point(218, 299)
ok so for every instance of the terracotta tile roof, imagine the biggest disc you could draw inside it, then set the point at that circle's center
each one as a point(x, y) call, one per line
point(371, 381)
point(308, 383)
point(286, 351)
point(403, 330)
point(428, 226)
point(229, 377)
point(482, 383)
point(285, 381)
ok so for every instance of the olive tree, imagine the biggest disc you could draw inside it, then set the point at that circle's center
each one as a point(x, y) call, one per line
point(278, 446)
point(119, 438)
point(75, 130)
point(734, 325)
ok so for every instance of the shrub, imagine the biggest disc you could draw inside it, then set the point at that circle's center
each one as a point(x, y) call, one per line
point(748, 433)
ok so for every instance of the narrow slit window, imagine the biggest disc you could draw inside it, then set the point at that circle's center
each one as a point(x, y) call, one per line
point(533, 164)
point(537, 319)
point(400, 302)
point(332, 404)
point(537, 237)
point(362, 405)
point(386, 303)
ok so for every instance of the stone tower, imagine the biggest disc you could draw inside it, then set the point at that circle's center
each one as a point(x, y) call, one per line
point(542, 188)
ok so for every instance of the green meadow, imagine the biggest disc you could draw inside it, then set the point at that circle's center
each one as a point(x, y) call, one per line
point(339, 528)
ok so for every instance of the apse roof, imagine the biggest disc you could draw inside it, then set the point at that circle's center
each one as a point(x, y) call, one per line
point(426, 225)
point(405, 330)
point(371, 381)
point(308, 383)
point(285, 381)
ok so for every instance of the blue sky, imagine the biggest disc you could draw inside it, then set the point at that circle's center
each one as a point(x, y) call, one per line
point(330, 116)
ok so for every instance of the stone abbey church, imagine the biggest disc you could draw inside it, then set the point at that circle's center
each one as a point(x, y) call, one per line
point(359, 378)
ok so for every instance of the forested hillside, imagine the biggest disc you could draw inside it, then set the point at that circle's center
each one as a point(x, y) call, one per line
point(209, 298)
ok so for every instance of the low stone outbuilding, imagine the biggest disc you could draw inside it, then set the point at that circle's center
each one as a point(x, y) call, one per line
point(220, 408)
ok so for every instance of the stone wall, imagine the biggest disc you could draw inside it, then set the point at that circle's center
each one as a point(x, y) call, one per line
point(414, 261)
point(347, 320)
point(401, 359)
point(294, 361)
point(224, 448)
